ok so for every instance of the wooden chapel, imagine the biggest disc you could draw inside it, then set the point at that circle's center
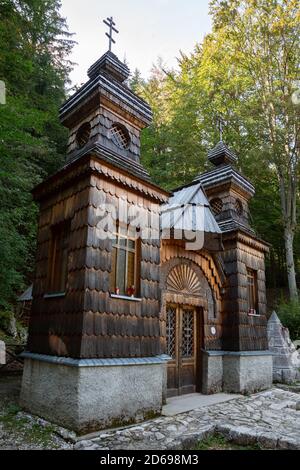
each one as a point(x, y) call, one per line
point(127, 308)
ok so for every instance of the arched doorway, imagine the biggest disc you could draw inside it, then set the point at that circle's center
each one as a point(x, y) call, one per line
point(186, 296)
point(184, 343)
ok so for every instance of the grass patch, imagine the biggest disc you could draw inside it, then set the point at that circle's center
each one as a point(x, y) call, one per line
point(218, 442)
point(25, 428)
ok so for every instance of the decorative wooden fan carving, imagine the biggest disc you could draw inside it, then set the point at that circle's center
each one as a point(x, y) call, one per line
point(183, 278)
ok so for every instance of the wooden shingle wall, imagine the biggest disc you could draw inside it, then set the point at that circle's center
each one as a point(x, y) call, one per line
point(229, 196)
point(114, 327)
point(242, 331)
point(87, 322)
point(56, 323)
point(101, 121)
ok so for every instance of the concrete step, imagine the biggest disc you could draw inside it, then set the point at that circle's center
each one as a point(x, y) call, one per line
point(192, 401)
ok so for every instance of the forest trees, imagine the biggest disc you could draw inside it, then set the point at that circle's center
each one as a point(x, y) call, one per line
point(261, 42)
point(246, 70)
point(34, 45)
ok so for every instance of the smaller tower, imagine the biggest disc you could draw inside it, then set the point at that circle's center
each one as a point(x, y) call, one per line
point(229, 193)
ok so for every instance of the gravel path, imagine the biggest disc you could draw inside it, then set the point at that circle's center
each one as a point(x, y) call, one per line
point(270, 419)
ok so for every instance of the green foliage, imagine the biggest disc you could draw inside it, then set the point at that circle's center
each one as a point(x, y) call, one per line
point(12, 329)
point(34, 44)
point(25, 428)
point(245, 71)
point(5, 318)
point(219, 442)
point(289, 314)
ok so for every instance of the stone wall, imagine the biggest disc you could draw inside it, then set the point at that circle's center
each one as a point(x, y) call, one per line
point(86, 397)
point(236, 372)
point(247, 372)
point(286, 359)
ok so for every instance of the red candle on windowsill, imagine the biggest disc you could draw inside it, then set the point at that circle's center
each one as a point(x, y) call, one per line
point(130, 291)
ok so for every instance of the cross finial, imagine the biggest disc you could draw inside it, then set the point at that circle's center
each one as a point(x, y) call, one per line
point(110, 23)
point(221, 123)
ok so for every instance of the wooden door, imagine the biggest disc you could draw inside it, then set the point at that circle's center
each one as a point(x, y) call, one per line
point(184, 346)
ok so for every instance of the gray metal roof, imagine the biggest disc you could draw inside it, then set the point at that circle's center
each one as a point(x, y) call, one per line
point(27, 295)
point(188, 209)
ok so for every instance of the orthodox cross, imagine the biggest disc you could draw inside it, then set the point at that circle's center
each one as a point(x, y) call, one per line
point(221, 123)
point(110, 23)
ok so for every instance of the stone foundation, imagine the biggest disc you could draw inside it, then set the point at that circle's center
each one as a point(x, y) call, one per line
point(212, 372)
point(247, 371)
point(236, 372)
point(92, 394)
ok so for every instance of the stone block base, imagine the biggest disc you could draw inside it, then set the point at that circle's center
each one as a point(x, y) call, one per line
point(236, 372)
point(212, 373)
point(287, 375)
point(247, 372)
point(88, 395)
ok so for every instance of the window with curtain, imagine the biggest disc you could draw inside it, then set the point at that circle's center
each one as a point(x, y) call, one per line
point(252, 292)
point(58, 260)
point(124, 278)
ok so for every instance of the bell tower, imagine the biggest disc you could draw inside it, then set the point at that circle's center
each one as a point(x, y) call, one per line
point(105, 116)
point(95, 335)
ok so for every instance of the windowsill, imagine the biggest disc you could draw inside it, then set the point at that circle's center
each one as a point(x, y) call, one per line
point(54, 295)
point(125, 297)
point(253, 314)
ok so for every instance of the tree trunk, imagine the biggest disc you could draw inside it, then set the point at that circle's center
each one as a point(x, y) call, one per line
point(288, 196)
point(289, 253)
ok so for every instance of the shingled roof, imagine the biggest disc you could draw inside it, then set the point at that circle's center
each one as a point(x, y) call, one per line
point(107, 76)
point(109, 63)
point(221, 154)
point(225, 174)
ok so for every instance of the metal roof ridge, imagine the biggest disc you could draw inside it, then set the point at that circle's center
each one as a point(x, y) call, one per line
point(194, 182)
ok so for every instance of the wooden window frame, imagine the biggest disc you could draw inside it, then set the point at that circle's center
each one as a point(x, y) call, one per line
point(120, 135)
point(253, 286)
point(122, 233)
point(217, 206)
point(60, 233)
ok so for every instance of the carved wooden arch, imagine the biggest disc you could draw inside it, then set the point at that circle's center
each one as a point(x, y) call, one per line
point(185, 281)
